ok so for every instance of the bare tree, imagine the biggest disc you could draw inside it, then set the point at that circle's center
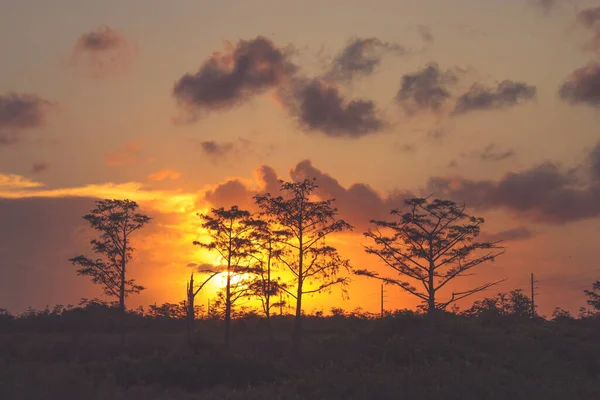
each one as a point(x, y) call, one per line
point(306, 223)
point(192, 292)
point(430, 244)
point(116, 220)
point(229, 231)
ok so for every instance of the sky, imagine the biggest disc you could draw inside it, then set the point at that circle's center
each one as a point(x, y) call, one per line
point(183, 106)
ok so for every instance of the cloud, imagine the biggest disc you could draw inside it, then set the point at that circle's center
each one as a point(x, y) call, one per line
point(39, 167)
point(234, 191)
point(216, 150)
point(582, 86)
point(37, 237)
point(425, 89)
point(492, 153)
point(205, 267)
point(127, 155)
point(229, 78)
point(590, 18)
point(426, 34)
point(509, 235)
point(19, 113)
point(360, 57)
point(543, 193)
point(405, 148)
point(506, 94)
point(594, 162)
point(13, 181)
point(358, 203)
point(103, 52)
point(166, 173)
point(544, 5)
point(436, 134)
point(319, 106)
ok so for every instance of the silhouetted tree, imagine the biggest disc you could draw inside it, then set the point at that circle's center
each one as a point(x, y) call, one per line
point(192, 292)
point(561, 315)
point(116, 220)
point(594, 296)
point(229, 232)
point(432, 243)
point(265, 285)
point(512, 304)
point(306, 223)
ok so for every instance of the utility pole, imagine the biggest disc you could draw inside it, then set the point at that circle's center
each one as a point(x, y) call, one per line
point(382, 300)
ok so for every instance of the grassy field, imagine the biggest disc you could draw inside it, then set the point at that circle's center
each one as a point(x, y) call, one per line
point(401, 357)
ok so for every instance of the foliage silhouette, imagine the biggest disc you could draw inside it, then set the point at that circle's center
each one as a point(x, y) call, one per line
point(264, 285)
point(229, 231)
point(116, 220)
point(594, 296)
point(306, 223)
point(432, 244)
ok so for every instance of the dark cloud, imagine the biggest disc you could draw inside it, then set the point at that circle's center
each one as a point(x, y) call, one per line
point(40, 167)
point(509, 235)
point(506, 94)
point(358, 203)
point(103, 39)
point(590, 18)
point(582, 86)
point(426, 34)
point(594, 162)
point(425, 89)
point(492, 153)
point(214, 149)
point(320, 106)
point(18, 113)
point(229, 78)
point(103, 52)
point(37, 237)
point(230, 193)
point(361, 56)
point(204, 267)
point(235, 192)
point(544, 193)
point(544, 5)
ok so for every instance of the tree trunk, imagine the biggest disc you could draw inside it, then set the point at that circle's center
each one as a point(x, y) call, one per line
point(228, 310)
point(268, 299)
point(431, 310)
point(190, 310)
point(297, 336)
point(122, 291)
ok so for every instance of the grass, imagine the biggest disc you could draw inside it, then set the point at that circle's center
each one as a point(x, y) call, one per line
point(401, 357)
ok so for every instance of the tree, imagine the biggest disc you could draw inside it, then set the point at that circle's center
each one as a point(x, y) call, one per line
point(116, 220)
point(192, 292)
point(306, 224)
point(264, 285)
point(431, 244)
point(594, 295)
point(229, 232)
point(514, 304)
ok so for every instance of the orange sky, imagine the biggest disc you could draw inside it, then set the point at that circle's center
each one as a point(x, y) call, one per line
point(184, 108)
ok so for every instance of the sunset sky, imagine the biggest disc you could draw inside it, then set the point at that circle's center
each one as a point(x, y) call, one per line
point(187, 105)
